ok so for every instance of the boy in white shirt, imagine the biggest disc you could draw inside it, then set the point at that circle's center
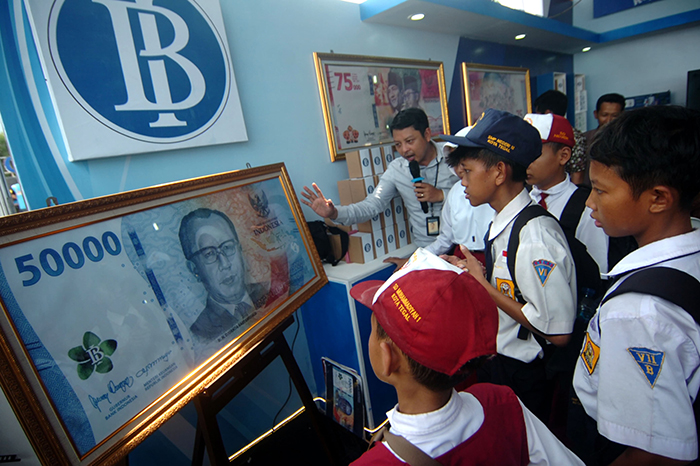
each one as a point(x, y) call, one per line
point(495, 155)
point(638, 373)
point(552, 187)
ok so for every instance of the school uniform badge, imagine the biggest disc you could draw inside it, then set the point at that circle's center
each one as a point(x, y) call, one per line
point(649, 362)
point(506, 287)
point(543, 268)
point(590, 354)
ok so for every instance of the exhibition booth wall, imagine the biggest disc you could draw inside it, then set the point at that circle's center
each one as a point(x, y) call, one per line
point(271, 44)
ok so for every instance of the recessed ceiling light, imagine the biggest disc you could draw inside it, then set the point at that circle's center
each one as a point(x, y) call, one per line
point(416, 17)
point(585, 49)
point(520, 36)
point(355, 1)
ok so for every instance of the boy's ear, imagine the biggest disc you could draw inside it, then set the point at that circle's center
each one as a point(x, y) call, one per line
point(564, 155)
point(389, 358)
point(662, 198)
point(501, 173)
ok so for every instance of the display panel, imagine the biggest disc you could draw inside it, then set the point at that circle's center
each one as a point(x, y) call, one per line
point(361, 95)
point(117, 311)
point(498, 87)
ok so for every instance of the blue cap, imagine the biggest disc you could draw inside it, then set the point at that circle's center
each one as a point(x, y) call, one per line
point(505, 134)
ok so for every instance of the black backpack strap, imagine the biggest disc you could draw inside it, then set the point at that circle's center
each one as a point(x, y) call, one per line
point(525, 215)
point(573, 210)
point(673, 285)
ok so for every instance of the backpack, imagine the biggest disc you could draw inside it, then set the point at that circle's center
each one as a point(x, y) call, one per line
point(320, 232)
point(675, 286)
point(588, 282)
point(587, 272)
point(618, 247)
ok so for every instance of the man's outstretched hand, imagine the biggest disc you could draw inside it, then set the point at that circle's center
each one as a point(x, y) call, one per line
point(318, 203)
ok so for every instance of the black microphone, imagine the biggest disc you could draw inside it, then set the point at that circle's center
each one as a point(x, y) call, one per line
point(415, 173)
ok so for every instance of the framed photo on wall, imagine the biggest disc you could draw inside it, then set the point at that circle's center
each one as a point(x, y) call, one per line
point(117, 311)
point(361, 95)
point(499, 87)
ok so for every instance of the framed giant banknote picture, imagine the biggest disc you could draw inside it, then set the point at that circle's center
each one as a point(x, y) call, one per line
point(500, 87)
point(361, 95)
point(117, 311)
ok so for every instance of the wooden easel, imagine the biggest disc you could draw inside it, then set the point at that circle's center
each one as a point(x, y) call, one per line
point(215, 397)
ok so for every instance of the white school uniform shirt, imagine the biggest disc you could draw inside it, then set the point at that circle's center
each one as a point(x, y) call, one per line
point(545, 275)
point(437, 432)
point(594, 238)
point(461, 223)
point(397, 179)
point(647, 406)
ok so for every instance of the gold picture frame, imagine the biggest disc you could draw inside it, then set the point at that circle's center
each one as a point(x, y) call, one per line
point(500, 87)
point(106, 304)
point(361, 94)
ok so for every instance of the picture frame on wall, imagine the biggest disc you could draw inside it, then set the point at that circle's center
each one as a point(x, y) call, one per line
point(360, 95)
point(118, 311)
point(500, 87)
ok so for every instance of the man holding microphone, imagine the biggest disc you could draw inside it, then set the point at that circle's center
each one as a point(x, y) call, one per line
point(423, 198)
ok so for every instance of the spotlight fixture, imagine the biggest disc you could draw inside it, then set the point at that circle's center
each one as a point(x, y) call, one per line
point(585, 49)
point(416, 17)
point(520, 36)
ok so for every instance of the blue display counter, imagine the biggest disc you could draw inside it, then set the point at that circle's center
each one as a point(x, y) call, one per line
point(338, 327)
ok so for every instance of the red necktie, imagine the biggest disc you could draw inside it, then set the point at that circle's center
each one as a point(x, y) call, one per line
point(543, 196)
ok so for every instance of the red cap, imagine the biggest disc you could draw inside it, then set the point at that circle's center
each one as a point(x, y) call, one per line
point(437, 314)
point(552, 128)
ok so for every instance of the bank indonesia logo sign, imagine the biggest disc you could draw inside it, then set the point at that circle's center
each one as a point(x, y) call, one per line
point(152, 70)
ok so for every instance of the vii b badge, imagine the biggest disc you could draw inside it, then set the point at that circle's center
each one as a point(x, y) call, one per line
point(650, 362)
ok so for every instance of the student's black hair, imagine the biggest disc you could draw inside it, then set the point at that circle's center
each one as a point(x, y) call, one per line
point(554, 101)
point(489, 159)
point(411, 117)
point(652, 146)
point(432, 379)
point(610, 99)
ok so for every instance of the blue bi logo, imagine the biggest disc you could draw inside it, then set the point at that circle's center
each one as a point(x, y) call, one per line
point(152, 70)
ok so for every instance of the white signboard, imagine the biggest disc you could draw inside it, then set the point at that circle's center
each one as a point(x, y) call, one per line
point(138, 76)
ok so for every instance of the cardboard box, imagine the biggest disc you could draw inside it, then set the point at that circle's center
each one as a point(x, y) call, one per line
point(401, 222)
point(377, 160)
point(336, 246)
point(390, 239)
point(355, 190)
point(379, 244)
point(345, 228)
point(388, 216)
point(361, 248)
point(359, 163)
point(373, 225)
point(399, 208)
point(402, 236)
point(362, 188)
point(388, 153)
point(345, 192)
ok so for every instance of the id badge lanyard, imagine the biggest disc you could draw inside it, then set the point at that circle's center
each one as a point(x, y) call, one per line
point(432, 223)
